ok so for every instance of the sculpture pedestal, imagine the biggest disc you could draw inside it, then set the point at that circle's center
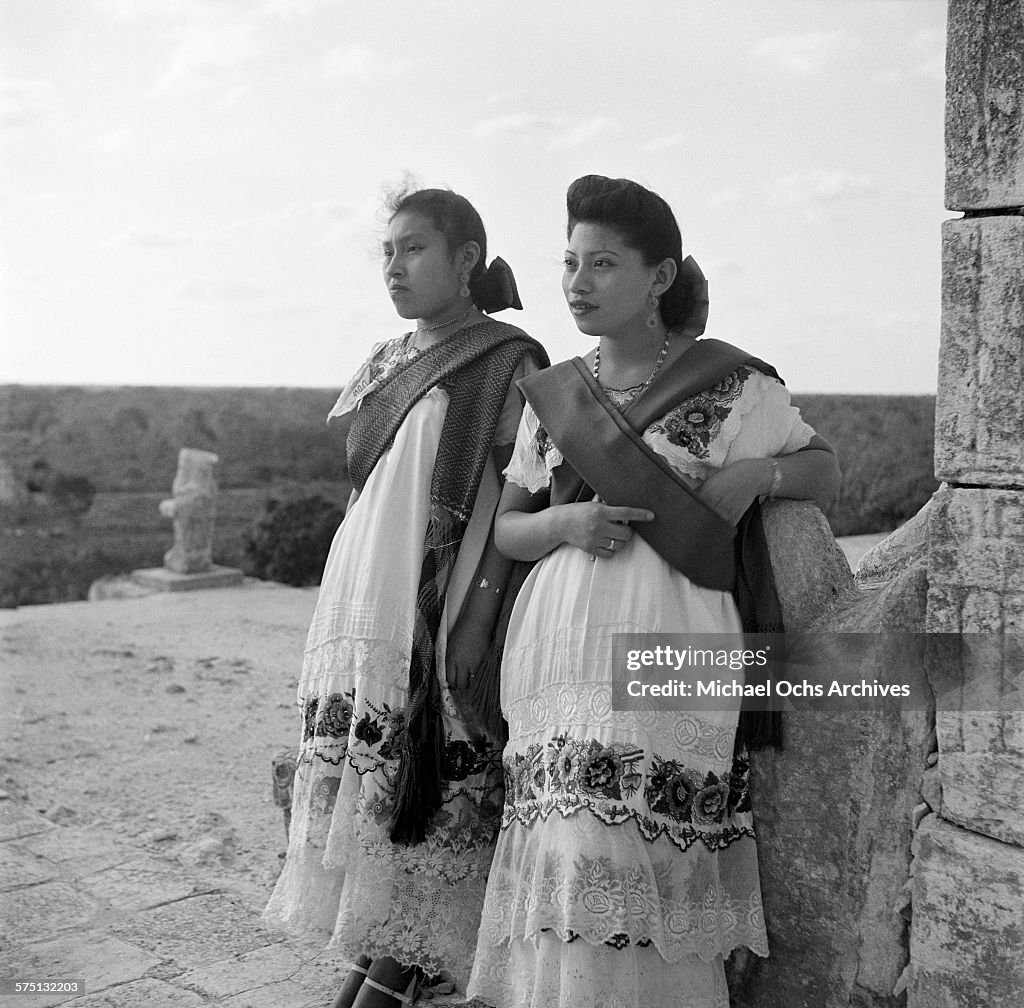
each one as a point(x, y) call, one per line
point(162, 579)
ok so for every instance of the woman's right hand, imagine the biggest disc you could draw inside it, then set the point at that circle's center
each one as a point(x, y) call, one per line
point(599, 529)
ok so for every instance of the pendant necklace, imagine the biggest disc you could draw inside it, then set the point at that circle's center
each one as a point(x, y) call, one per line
point(663, 353)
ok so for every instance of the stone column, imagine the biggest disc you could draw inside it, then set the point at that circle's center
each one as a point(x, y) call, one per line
point(967, 929)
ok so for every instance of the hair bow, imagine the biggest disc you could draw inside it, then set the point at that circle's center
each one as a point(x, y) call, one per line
point(495, 289)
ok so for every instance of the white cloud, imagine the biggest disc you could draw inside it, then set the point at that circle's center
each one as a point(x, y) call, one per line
point(514, 122)
point(559, 131)
point(149, 238)
point(235, 95)
point(134, 10)
point(818, 189)
point(722, 269)
point(330, 218)
point(728, 196)
point(209, 52)
point(221, 290)
point(503, 97)
point(294, 8)
point(109, 141)
point(580, 133)
point(922, 57)
point(663, 143)
point(805, 52)
point(23, 102)
point(349, 61)
point(358, 61)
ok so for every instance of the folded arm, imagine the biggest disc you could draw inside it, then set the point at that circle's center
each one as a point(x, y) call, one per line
point(812, 473)
point(527, 527)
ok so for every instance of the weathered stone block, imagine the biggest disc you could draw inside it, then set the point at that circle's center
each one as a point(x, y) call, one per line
point(833, 811)
point(162, 579)
point(981, 790)
point(975, 560)
point(811, 572)
point(968, 929)
point(979, 410)
point(897, 552)
point(984, 104)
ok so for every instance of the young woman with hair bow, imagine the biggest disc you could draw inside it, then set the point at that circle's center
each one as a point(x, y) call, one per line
point(398, 790)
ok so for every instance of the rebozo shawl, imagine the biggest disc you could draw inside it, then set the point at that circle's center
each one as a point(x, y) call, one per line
point(476, 367)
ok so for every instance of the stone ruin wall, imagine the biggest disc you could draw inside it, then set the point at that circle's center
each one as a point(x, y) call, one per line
point(892, 842)
point(967, 926)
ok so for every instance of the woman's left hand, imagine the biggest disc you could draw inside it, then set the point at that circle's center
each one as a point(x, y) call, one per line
point(466, 650)
point(732, 490)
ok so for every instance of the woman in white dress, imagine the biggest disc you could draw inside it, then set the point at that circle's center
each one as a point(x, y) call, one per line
point(398, 791)
point(626, 870)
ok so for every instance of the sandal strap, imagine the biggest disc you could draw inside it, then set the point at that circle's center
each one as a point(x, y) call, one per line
point(406, 998)
point(356, 968)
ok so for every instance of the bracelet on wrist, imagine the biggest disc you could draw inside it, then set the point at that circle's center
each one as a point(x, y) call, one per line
point(776, 478)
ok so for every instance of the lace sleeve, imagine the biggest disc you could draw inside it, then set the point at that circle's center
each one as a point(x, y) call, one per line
point(746, 415)
point(531, 463)
point(771, 426)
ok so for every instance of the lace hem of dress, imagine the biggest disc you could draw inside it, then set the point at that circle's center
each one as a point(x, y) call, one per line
point(747, 930)
point(607, 882)
point(609, 899)
point(410, 917)
point(575, 975)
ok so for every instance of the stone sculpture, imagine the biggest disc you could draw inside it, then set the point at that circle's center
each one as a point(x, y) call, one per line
point(193, 509)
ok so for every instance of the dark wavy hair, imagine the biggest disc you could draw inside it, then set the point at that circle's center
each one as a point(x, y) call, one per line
point(453, 215)
point(644, 221)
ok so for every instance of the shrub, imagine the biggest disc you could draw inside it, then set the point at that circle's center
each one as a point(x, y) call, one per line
point(291, 541)
point(55, 570)
point(72, 495)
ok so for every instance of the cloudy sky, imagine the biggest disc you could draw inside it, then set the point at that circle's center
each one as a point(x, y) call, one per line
point(189, 189)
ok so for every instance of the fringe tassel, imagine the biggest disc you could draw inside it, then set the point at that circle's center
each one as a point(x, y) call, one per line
point(758, 729)
point(760, 613)
point(485, 695)
point(418, 790)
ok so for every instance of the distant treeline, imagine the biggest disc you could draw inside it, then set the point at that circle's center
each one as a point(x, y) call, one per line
point(886, 447)
point(126, 439)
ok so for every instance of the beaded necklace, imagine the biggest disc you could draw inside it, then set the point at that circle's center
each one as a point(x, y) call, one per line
point(440, 325)
point(663, 353)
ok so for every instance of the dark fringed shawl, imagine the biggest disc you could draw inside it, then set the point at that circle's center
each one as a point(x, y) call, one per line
point(760, 613)
point(476, 367)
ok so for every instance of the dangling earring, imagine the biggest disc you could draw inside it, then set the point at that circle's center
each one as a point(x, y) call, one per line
point(464, 289)
point(655, 316)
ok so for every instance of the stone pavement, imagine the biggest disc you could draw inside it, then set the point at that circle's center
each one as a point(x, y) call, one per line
point(121, 721)
point(81, 905)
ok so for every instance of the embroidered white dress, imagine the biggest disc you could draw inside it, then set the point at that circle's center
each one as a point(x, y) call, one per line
point(344, 882)
point(626, 868)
